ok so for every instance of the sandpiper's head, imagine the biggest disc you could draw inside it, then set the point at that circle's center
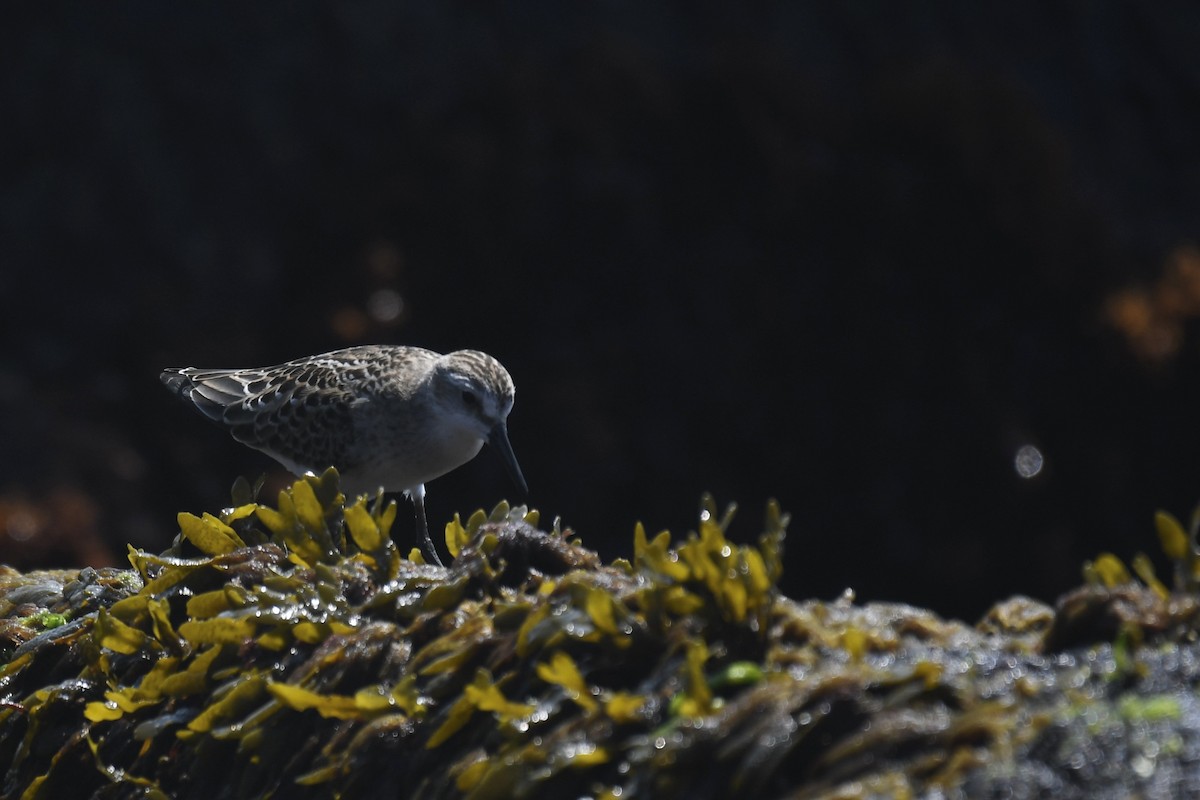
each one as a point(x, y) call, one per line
point(475, 391)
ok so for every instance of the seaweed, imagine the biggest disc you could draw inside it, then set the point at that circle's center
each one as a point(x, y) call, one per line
point(274, 650)
point(291, 650)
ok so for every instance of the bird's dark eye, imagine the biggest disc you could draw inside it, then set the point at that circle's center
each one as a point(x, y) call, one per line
point(470, 399)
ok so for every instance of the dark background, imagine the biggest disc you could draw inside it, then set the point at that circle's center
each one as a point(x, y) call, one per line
point(847, 255)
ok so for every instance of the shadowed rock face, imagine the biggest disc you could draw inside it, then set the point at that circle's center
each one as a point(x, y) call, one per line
point(290, 649)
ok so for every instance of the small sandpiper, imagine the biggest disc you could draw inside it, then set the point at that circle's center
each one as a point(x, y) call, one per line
point(388, 417)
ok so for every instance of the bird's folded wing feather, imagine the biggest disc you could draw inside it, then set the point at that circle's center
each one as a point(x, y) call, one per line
point(301, 413)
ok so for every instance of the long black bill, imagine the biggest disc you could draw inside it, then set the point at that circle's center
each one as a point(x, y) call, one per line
point(498, 439)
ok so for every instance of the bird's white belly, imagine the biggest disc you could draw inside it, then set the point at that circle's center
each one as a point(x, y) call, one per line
point(431, 458)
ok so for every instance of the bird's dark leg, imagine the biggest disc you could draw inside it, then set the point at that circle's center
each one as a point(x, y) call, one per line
point(418, 498)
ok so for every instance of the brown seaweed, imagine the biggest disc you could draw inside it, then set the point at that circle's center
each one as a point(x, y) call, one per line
point(290, 650)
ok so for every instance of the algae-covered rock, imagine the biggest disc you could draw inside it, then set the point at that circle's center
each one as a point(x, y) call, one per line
point(291, 651)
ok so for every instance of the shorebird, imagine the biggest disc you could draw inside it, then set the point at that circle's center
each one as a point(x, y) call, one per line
point(389, 418)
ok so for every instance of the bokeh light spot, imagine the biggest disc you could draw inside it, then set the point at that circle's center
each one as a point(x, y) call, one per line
point(1029, 461)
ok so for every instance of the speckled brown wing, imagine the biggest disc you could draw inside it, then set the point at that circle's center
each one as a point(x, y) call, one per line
point(298, 413)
